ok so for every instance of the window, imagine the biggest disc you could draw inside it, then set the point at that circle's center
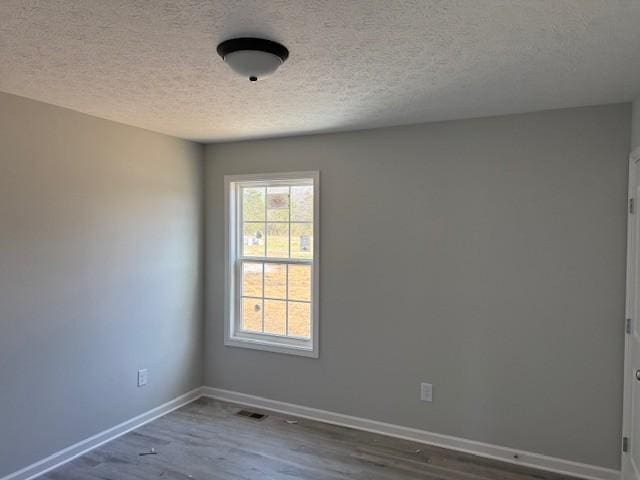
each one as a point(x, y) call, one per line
point(272, 269)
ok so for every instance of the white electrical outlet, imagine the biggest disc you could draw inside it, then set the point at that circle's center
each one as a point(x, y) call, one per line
point(143, 376)
point(426, 392)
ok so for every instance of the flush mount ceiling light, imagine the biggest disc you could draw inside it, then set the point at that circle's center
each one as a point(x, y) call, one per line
point(253, 58)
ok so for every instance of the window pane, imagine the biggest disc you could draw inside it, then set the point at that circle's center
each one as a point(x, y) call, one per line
point(252, 314)
point(301, 240)
point(275, 280)
point(302, 203)
point(300, 282)
point(278, 204)
point(299, 319)
point(252, 279)
point(253, 204)
point(278, 240)
point(253, 239)
point(273, 260)
point(275, 317)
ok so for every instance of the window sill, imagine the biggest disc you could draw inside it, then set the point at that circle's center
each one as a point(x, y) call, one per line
point(268, 346)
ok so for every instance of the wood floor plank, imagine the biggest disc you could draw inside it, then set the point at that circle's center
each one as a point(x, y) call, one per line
point(206, 440)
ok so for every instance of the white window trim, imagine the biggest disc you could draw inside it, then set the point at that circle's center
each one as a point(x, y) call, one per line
point(266, 342)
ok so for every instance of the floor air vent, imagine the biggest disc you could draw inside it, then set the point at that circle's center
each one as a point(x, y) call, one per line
point(253, 415)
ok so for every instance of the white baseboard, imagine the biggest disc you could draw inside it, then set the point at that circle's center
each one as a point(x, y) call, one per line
point(63, 456)
point(481, 449)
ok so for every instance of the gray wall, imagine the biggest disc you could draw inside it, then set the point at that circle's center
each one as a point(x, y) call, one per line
point(635, 125)
point(100, 228)
point(485, 256)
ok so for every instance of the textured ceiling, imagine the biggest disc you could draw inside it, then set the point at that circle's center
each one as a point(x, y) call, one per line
point(354, 63)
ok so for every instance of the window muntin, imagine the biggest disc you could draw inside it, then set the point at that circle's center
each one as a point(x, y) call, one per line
point(273, 258)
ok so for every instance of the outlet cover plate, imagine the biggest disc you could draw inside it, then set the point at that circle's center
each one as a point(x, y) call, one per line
point(143, 377)
point(426, 392)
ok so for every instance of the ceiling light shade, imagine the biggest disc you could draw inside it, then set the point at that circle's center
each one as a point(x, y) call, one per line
point(253, 58)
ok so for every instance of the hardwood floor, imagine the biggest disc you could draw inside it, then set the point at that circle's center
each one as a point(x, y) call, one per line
point(207, 440)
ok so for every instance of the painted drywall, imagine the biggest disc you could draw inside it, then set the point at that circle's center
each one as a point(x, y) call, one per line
point(100, 228)
point(635, 124)
point(484, 256)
